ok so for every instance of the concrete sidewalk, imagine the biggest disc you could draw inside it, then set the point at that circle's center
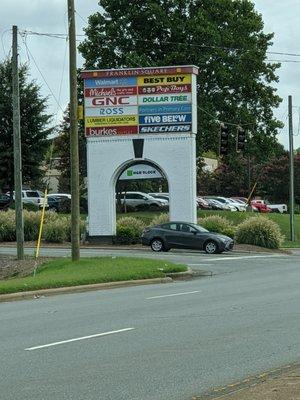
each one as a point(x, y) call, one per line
point(281, 384)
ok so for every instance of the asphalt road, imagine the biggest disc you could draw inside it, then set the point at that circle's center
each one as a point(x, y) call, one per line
point(158, 342)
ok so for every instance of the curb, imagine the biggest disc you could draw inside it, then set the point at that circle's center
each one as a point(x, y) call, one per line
point(34, 294)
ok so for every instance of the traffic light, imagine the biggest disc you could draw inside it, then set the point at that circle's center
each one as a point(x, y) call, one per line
point(224, 140)
point(240, 139)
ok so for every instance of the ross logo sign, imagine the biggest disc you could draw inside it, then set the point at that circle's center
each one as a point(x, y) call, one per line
point(140, 101)
point(140, 171)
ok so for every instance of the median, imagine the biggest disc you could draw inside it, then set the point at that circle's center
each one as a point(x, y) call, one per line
point(63, 273)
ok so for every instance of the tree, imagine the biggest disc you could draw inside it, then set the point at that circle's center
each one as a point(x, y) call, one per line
point(34, 128)
point(62, 151)
point(224, 38)
point(274, 181)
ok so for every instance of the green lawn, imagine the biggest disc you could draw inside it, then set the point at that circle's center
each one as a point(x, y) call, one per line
point(64, 272)
point(283, 220)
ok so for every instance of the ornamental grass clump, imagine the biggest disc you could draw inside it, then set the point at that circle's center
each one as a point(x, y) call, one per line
point(7, 226)
point(216, 223)
point(160, 219)
point(129, 230)
point(57, 230)
point(260, 231)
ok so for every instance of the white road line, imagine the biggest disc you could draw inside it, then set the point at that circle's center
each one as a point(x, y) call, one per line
point(79, 338)
point(200, 264)
point(243, 257)
point(173, 294)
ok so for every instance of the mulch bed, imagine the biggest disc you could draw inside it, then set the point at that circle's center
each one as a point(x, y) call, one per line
point(10, 266)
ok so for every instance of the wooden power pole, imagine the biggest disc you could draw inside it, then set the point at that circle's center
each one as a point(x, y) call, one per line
point(292, 194)
point(17, 147)
point(75, 212)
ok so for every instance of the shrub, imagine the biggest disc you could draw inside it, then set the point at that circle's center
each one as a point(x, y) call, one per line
point(7, 226)
point(26, 206)
point(216, 223)
point(31, 224)
point(259, 231)
point(129, 230)
point(57, 230)
point(160, 219)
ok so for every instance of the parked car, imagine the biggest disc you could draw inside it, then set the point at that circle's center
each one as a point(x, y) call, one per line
point(31, 196)
point(227, 205)
point(164, 196)
point(185, 235)
point(4, 201)
point(59, 202)
point(265, 206)
point(234, 205)
point(216, 205)
point(140, 200)
point(203, 204)
point(260, 207)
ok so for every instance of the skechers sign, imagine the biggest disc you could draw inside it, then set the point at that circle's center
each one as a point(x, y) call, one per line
point(137, 101)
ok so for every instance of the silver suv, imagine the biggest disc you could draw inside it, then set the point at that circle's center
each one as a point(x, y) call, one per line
point(140, 200)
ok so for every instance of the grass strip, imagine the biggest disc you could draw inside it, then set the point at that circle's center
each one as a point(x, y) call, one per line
point(64, 272)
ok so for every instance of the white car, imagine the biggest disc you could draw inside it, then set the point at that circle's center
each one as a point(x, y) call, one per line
point(31, 196)
point(140, 200)
point(231, 206)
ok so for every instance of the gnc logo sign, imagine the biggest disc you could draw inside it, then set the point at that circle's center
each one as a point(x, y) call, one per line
point(111, 101)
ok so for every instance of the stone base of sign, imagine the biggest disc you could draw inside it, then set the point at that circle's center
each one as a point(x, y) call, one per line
point(101, 239)
point(107, 157)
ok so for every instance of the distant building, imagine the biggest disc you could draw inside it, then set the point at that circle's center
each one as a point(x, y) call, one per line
point(52, 176)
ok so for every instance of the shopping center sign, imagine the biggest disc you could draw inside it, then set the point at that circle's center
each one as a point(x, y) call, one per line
point(140, 101)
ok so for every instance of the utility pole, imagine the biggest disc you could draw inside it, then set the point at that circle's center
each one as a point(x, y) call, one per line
point(292, 195)
point(17, 147)
point(75, 212)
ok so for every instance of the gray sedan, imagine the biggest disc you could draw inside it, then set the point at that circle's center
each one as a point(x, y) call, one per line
point(186, 236)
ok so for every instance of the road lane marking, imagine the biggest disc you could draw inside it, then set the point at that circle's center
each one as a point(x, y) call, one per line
point(243, 257)
point(173, 294)
point(79, 338)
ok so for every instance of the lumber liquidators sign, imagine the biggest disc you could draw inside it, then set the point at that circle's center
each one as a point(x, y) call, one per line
point(140, 101)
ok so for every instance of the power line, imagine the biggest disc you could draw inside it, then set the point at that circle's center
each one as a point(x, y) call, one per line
point(42, 75)
point(63, 35)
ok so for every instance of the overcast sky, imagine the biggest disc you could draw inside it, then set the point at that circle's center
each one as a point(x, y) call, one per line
point(281, 17)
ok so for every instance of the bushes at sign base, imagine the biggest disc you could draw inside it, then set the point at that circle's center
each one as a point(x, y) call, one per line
point(129, 230)
point(259, 231)
point(216, 223)
point(160, 219)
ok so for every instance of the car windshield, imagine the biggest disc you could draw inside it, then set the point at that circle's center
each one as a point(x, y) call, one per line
point(199, 228)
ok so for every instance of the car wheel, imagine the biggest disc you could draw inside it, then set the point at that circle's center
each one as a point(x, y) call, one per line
point(157, 245)
point(211, 247)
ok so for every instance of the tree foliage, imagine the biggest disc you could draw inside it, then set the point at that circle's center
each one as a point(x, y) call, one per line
point(62, 151)
point(34, 128)
point(224, 38)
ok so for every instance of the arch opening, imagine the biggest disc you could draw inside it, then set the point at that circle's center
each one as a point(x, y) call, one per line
point(141, 185)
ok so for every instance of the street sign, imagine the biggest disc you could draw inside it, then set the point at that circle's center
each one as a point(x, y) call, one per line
point(140, 101)
point(140, 171)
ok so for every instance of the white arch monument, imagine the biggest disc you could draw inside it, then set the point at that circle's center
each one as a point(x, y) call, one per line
point(146, 115)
